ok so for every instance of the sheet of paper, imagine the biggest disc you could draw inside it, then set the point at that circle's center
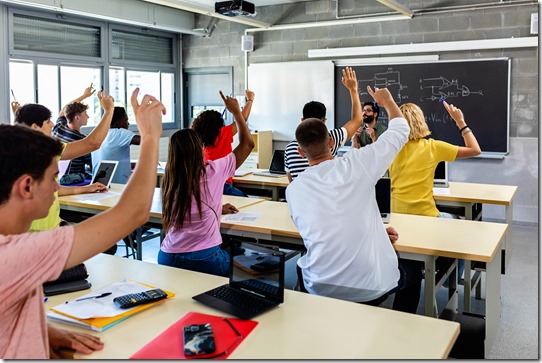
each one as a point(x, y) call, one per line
point(101, 307)
point(242, 172)
point(245, 217)
point(441, 191)
point(96, 196)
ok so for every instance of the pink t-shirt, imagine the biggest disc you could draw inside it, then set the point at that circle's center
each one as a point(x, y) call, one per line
point(26, 262)
point(203, 233)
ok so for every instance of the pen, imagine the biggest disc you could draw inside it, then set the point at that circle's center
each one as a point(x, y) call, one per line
point(13, 94)
point(93, 297)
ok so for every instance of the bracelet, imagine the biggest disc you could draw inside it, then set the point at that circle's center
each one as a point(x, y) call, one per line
point(463, 128)
point(464, 133)
point(249, 100)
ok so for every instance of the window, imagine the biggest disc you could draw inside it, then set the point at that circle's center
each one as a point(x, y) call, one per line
point(21, 81)
point(73, 81)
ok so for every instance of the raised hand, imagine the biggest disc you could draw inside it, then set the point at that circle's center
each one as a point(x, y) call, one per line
point(455, 113)
point(231, 103)
point(107, 102)
point(148, 114)
point(89, 91)
point(249, 94)
point(349, 79)
point(15, 106)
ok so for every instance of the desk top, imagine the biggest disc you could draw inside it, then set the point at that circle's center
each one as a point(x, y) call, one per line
point(281, 181)
point(304, 327)
point(480, 193)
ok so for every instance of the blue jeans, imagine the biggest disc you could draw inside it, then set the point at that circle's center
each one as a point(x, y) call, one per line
point(214, 261)
point(229, 189)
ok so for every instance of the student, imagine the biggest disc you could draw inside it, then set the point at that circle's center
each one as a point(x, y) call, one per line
point(371, 129)
point(28, 173)
point(116, 146)
point(332, 203)
point(413, 170)
point(72, 117)
point(192, 199)
point(294, 163)
point(217, 138)
point(38, 117)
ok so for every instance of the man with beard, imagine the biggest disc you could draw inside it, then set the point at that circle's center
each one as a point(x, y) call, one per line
point(370, 131)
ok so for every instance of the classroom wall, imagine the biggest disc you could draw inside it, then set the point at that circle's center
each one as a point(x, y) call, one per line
point(520, 167)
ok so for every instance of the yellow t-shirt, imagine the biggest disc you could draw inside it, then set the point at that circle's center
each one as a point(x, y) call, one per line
point(412, 174)
point(53, 217)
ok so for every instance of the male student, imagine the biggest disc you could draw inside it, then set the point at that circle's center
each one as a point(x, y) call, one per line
point(295, 163)
point(371, 129)
point(38, 117)
point(28, 173)
point(332, 203)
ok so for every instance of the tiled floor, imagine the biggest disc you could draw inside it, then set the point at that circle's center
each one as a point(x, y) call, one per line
point(518, 334)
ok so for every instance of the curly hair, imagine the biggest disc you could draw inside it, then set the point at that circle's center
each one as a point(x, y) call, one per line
point(32, 113)
point(416, 120)
point(207, 125)
point(72, 109)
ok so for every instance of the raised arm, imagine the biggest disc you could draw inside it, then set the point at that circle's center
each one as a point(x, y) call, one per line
point(246, 143)
point(94, 140)
point(471, 147)
point(89, 91)
point(246, 110)
point(350, 81)
point(98, 233)
point(384, 98)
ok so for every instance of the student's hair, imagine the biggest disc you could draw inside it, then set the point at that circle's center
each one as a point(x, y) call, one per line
point(183, 173)
point(120, 118)
point(416, 120)
point(314, 109)
point(313, 137)
point(208, 124)
point(32, 113)
point(374, 107)
point(24, 151)
point(73, 108)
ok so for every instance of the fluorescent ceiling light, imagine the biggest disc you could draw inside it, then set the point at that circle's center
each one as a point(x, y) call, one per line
point(387, 60)
point(397, 7)
point(209, 12)
point(503, 43)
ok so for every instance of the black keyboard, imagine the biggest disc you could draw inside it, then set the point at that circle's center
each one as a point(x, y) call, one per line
point(244, 300)
point(261, 286)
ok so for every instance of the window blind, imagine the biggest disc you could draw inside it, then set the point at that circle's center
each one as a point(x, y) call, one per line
point(141, 47)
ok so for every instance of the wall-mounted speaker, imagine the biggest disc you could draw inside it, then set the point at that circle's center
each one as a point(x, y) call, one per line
point(247, 43)
point(534, 23)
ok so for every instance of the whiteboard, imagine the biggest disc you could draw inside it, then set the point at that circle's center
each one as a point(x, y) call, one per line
point(283, 88)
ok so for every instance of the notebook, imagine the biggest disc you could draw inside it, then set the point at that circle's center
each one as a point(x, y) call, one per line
point(105, 172)
point(256, 282)
point(276, 169)
point(441, 175)
point(383, 198)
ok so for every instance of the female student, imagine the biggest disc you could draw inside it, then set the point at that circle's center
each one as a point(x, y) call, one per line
point(217, 138)
point(413, 169)
point(192, 198)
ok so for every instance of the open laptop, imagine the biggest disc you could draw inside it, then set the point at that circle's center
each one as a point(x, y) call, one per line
point(383, 198)
point(276, 169)
point(256, 282)
point(441, 175)
point(105, 172)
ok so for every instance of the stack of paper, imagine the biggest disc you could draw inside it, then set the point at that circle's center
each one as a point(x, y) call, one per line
point(101, 313)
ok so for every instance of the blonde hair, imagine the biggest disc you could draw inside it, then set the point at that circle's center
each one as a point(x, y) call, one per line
point(416, 120)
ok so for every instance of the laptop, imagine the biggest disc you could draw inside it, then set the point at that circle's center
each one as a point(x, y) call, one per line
point(105, 172)
point(256, 282)
point(276, 169)
point(383, 198)
point(441, 175)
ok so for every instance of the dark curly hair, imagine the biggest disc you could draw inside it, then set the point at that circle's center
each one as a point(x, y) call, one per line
point(207, 125)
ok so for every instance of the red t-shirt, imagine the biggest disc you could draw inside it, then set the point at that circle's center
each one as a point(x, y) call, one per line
point(222, 146)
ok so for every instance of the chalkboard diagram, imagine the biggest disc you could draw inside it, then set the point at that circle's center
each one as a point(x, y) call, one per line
point(480, 88)
point(443, 88)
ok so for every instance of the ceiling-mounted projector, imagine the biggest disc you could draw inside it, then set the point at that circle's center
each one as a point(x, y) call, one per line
point(235, 8)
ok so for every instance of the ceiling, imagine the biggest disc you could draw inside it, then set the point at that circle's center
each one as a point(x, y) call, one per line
point(211, 3)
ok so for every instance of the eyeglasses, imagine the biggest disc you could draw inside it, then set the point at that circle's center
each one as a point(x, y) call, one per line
point(228, 349)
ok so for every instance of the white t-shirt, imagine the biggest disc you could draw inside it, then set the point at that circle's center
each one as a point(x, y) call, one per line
point(349, 254)
point(116, 146)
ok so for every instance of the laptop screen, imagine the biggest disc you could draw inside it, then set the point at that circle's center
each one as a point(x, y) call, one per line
point(277, 162)
point(105, 172)
point(383, 195)
point(441, 174)
point(258, 269)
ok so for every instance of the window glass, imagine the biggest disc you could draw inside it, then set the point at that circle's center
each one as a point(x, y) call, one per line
point(166, 96)
point(21, 82)
point(148, 83)
point(48, 88)
point(117, 86)
point(73, 81)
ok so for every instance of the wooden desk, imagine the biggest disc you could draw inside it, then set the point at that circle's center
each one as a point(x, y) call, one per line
point(303, 327)
point(262, 182)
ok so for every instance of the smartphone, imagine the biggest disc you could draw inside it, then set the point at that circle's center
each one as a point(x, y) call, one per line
point(198, 339)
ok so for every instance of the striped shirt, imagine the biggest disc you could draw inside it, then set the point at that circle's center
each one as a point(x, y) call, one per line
point(296, 164)
point(62, 132)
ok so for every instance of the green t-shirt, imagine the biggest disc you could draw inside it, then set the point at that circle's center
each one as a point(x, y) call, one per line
point(364, 139)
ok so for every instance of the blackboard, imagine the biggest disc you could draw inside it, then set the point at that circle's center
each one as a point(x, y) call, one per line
point(480, 89)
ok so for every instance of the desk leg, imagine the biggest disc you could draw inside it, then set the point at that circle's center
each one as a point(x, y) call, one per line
point(429, 290)
point(508, 249)
point(493, 301)
point(275, 193)
point(139, 239)
point(467, 286)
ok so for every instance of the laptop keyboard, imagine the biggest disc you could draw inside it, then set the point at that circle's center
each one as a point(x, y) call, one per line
point(262, 286)
point(238, 298)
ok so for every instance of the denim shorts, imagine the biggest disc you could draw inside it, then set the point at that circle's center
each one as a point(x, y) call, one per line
point(212, 260)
